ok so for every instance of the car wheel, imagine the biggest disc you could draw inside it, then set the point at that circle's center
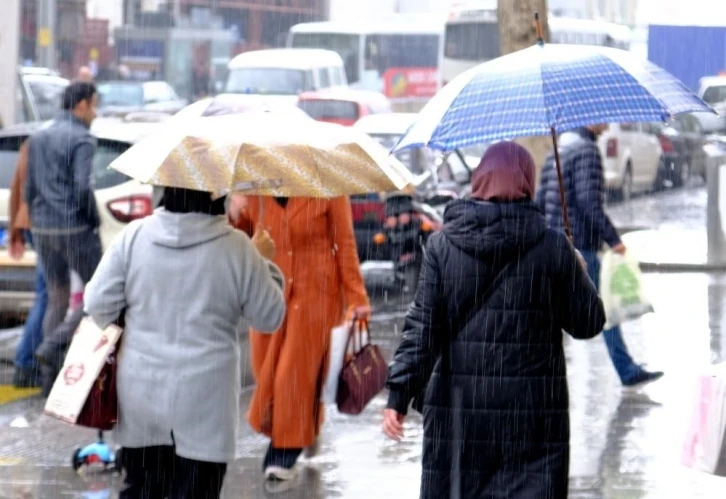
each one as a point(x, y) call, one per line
point(626, 191)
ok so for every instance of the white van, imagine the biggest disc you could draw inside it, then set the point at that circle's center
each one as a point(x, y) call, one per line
point(285, 73)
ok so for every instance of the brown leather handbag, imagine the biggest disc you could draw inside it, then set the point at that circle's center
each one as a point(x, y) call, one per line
point(363, 375)
point(101, 408)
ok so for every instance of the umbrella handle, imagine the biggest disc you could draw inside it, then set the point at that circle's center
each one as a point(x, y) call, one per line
point(563, 200)
point(261, 217)
point(538, 27)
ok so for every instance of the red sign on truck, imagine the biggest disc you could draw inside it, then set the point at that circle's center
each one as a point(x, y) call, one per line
point(411, 82)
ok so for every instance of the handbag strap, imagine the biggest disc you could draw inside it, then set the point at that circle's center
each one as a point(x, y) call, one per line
point(357, 328)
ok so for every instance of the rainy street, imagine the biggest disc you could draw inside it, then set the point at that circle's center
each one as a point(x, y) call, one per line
point(208, 206)
point(625, 442)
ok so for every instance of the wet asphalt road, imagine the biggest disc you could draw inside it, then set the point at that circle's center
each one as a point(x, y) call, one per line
point(625, 442)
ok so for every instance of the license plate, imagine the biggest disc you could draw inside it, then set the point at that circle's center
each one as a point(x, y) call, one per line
point(370, 216)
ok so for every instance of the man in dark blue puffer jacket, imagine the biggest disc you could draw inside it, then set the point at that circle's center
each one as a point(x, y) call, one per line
point(584, 181)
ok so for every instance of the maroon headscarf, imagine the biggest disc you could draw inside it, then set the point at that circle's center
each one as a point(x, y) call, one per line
point(506, 173)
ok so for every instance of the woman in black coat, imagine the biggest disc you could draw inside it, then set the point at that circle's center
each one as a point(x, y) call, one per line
point(481, 354)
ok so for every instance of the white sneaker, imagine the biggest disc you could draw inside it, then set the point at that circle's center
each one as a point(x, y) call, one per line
point(280, 474)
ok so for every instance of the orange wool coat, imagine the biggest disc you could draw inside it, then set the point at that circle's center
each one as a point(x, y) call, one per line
point(316, 251)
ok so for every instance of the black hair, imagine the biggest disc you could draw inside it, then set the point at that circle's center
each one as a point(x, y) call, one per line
point(178, 200)
point(77, 92)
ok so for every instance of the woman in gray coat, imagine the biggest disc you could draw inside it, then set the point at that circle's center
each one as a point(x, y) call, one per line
point(185, 278)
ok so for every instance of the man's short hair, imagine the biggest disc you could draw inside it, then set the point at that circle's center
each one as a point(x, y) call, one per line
point(77, 92)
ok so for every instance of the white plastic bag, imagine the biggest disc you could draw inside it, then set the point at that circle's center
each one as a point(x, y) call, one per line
point(84, 361)
point(339, 349)
point(621, 289)
point(704, 448)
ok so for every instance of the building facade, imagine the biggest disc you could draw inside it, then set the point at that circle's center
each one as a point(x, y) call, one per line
point(257, 23)
point(616, 11)
point(69, 28)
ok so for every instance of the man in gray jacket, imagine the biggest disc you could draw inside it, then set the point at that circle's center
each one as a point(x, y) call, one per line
point(63, 211)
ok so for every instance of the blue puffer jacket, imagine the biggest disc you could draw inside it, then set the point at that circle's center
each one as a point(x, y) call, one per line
point(582, 173)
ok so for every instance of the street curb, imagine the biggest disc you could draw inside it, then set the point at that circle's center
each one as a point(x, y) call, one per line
point(674, 268)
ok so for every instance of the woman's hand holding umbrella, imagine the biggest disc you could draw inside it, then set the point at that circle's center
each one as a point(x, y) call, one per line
point(264, 243)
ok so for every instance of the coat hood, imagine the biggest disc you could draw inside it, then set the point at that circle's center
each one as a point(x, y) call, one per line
point(481, 228)
point(184, 230)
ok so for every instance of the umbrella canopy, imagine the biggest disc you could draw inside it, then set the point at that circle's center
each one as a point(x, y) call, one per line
point(548, 89)
point(264, 153)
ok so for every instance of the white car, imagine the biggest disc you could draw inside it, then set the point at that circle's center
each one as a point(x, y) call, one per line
point(631, 158)
point(120, 200)
point(712, 89)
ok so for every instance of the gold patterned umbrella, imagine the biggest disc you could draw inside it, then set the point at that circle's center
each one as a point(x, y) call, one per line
point(267, 154)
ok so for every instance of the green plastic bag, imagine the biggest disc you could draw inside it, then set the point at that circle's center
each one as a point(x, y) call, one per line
point(621, 289)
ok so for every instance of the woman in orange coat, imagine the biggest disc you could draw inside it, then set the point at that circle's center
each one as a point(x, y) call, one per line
point(316, 251)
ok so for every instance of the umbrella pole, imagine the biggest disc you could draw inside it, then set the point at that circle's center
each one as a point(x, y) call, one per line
point(261, 218)
point(563, 201)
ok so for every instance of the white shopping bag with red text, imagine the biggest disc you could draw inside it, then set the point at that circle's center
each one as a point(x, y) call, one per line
point(84, 361)
point(704, 448)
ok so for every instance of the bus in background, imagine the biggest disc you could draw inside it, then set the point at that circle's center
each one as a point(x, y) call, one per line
point(398, 55)
point(472, 35)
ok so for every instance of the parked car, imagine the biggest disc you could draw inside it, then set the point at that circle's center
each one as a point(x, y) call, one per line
point(682, 141)
point(712, 89)
point(120, 200)
point(39, 93)
point(343, 106)
point(118, 98)
point(631, 157)
point(283, 74)
point(235, 103)
point(446, 177)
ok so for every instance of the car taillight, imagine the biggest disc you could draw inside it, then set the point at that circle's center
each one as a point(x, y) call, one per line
point(130, 208)
point(611, 150)
point(666, 144)
point(369, 210)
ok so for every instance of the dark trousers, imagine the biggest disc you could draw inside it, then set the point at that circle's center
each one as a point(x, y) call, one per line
point(624, 365)
point(284, 458)
point(59, 254)
point(33, 330)
point(158, 473)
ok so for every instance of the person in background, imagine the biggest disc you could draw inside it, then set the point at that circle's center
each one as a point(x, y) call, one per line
point(84, 74)
point(316, 252)
point(27, 372)
point(481, 354)
point(183, 278)
point(63, 213)
point(591, 227)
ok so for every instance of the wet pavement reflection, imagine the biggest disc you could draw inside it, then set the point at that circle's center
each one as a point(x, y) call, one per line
point(625, 442)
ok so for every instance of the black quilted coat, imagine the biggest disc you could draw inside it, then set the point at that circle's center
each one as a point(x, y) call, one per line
point(482, 356)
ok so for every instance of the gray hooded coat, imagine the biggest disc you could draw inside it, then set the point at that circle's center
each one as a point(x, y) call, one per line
point(186, 281)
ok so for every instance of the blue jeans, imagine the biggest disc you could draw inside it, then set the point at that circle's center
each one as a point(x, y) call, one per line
point(33, 330)
point(622, 361)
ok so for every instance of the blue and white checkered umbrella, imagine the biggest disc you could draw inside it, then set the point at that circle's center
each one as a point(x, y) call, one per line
point(548, 89)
